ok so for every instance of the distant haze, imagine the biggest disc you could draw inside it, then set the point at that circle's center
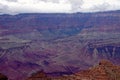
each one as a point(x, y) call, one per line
point(57, 6)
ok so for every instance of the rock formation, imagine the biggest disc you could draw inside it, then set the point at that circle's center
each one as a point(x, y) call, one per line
point(39, 75)
point(105, 70)
point(57, 42)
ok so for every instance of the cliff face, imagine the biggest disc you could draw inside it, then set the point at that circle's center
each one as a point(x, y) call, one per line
point(57, 42)
point(105, 70)
point(22, 22)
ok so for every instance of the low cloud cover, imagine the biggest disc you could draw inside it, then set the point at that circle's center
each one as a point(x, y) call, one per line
point(57, 6)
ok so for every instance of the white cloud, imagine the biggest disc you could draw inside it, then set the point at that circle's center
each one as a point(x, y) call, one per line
point(57, 6)
point(33, 6)
point(100, 5)
point(76, 5)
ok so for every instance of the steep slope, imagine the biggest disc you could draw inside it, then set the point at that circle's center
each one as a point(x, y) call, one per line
point(51, 22)
point(104, 71)
point(64, 43)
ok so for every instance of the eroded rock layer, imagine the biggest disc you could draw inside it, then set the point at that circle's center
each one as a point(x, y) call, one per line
point(105, 70)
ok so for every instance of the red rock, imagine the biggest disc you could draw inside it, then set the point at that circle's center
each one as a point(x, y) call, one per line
point(104, 71)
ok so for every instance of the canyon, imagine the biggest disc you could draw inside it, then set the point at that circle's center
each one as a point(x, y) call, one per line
point(105, 70)
point(57, 43)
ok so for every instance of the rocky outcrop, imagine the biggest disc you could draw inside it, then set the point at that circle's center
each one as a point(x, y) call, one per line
point(107, 50)
point(105, 70)
point(39, 75)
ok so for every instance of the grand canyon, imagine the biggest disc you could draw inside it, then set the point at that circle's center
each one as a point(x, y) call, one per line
point(59, 44)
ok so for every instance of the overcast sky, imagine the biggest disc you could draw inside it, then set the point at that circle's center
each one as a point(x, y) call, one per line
point(57, 6)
